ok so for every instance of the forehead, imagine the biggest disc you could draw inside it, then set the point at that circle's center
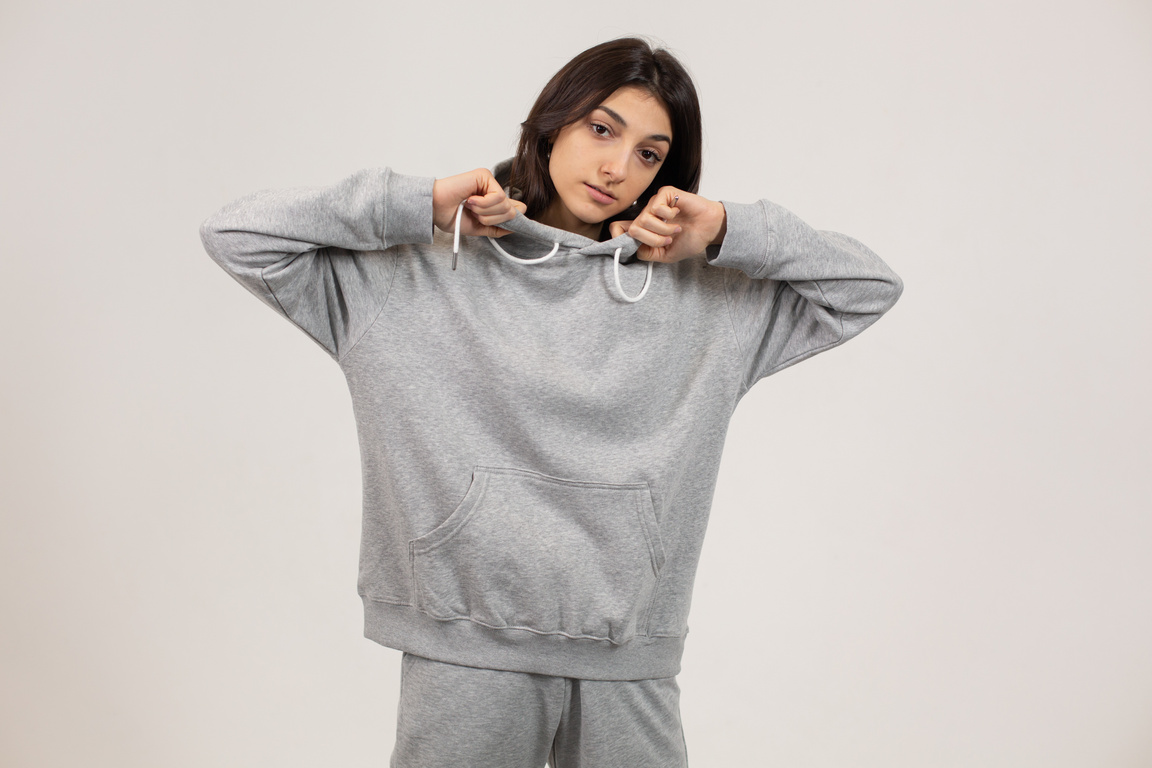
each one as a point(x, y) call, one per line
point(644, 113)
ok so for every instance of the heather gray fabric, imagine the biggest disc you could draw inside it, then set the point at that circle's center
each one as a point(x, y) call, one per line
point(538, 455)
point(478, 718)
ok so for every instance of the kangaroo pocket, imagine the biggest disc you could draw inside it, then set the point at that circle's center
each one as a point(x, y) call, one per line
point(528, 551)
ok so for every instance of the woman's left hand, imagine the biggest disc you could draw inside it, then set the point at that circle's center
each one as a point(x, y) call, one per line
point(670, 233)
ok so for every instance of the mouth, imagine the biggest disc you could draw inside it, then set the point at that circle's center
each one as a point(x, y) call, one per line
point(599, 195)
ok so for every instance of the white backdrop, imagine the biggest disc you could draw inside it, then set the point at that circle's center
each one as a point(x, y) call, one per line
point(928, 548)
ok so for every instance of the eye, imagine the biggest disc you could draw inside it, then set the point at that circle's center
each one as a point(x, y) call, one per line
point(649, 156)
point(601, 130)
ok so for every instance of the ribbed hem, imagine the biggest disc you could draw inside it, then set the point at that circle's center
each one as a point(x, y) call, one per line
point(472, 645)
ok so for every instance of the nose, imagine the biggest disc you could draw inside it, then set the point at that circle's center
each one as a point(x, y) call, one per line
point(614, 166)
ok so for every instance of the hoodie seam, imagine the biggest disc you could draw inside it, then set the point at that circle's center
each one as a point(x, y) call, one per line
point(382, 202)
point(735, 335)
point(814, 350)
point(771, 243)
point(272, 293)
point(280, 307)
point(387, 601)
point(383, 304)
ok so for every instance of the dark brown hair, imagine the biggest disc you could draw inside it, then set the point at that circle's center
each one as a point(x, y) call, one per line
point(586, 82)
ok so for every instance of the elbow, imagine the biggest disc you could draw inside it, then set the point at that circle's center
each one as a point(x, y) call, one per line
point(213, 238)
point(208, 235)
point(895, 290)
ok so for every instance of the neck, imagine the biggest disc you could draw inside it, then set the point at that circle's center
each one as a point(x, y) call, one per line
point(556, 215)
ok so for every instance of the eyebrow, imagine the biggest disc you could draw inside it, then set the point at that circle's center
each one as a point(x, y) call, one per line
point(624, 123)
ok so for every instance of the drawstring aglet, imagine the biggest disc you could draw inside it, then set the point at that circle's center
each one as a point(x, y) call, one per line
point(456, 236)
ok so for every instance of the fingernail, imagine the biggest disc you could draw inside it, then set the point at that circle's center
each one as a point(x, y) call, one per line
point(679, 230)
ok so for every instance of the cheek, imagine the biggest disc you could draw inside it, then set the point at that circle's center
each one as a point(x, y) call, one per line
point(560, 169)
point(643, 181)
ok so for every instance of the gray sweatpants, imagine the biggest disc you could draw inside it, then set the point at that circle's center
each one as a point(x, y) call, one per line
point(465, 717)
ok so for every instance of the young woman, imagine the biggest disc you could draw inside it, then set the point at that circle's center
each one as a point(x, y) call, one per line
point(542, 397)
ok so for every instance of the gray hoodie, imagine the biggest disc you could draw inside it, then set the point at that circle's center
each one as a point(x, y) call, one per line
point(539, 455)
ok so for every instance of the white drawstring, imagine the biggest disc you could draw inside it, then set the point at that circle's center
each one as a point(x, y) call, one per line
point(620, 288)
point(496, 245)
point(517, 260)
point(553, 252)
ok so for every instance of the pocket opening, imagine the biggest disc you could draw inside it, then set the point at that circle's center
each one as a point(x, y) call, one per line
point(528, 551)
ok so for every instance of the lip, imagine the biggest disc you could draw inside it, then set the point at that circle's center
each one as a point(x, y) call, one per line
point(599, 195)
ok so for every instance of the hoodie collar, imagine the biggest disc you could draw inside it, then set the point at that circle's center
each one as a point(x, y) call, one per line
point(528, 236)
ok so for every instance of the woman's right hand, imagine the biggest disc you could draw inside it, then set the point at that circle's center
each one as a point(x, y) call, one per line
point(485, 204)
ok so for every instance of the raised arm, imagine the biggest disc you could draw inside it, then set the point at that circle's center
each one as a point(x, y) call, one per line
point(798, 291)
point(318, 255)
point(793, 291)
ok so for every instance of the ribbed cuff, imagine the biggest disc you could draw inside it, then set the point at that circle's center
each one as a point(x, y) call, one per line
point(407, 209)
point(749, 242)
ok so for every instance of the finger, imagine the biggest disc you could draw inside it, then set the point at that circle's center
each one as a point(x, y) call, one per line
point(501, 212)
point(663, 255)
point(657, 225)
point(662, 211)
point(617, 228)
point(667, 196)
point(493, 215)
point(648, 237)
point(648, 253)
point(489, 199)
point(496, 218)
point(490, 202)
point(508, 209)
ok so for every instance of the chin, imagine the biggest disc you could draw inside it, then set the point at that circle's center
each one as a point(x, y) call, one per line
point(586, 211)
point(598, 215)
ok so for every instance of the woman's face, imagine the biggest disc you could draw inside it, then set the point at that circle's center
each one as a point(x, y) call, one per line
point(603, 162)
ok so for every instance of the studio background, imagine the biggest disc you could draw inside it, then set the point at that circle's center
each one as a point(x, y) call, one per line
point(929, 547)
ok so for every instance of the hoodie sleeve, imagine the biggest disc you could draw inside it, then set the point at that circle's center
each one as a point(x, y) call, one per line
point(320, 256)
point(794, 291)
